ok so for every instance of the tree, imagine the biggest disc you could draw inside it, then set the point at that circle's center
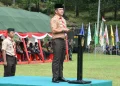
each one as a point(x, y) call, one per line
point(77, 8)
point(116, 8)
point(6, 2)
point(13, 2)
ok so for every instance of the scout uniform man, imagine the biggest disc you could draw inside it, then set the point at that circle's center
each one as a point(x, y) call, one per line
point(9, 54)
point(59, 30)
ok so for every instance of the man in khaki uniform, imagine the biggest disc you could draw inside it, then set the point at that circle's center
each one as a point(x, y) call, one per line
point(9, 54)
point(59, 32)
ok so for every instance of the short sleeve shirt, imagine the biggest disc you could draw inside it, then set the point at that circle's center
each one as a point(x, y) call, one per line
point(58, 23)
point(9, 46)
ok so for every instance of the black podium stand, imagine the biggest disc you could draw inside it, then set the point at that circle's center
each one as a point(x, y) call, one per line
point(80, 62)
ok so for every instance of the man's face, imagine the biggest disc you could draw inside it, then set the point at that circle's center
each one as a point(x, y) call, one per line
point(11, 34)
point(59, 11)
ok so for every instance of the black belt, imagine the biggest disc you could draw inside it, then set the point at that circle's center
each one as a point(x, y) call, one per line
point(10, 55)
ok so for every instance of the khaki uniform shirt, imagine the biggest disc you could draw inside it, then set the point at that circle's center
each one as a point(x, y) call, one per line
point(9, 46)
point(58, 23)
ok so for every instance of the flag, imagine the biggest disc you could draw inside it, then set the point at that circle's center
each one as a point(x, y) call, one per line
point(112, 37)
point(101, 35)
point(116, 34)
point(89, 35)
point(96, 35)
point(106, 35)
point(103, 19)
point(82, 30)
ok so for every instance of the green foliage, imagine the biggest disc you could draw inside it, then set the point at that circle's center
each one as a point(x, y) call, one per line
point(50, 7)
point(76, 11)
point(1, 4)
point(6, 2)
point(92, 11)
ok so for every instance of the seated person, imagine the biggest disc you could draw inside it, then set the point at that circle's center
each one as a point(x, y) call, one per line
point(49, 47)
point(19, 50)
point(118, 52)
point(45, 53)
point(45, 50)
point(114, 50)
point(107, 51)
point(31, 51)
point(37, 51)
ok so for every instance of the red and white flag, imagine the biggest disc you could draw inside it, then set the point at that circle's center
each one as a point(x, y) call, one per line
point(106, 35)
point(103, 19)
point(101, 35)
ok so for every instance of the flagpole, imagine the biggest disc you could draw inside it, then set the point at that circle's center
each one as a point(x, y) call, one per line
point(116, 48)
point(104, 40)
point(116, 38)
point(98, 17)
point(98, 20)
point(88, 37)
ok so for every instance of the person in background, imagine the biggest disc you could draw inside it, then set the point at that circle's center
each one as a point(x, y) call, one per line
point(107, 49)
point(70, 44)
point(24, 53)
point(37, 50)
point(9, 54)
point(31, 51)
point(45, 50)
point(1, 59)
point(19, 50)
point(49, 46)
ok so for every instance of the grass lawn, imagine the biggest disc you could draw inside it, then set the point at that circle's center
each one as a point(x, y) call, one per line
point(105, 67)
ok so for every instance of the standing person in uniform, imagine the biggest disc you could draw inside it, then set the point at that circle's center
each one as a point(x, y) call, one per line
point(70, 44)
point(9, 54)
point(59, 30)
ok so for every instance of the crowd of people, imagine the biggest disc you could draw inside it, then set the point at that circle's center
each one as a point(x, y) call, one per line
point(106, 49)
point(112, 50)
point(33, 49)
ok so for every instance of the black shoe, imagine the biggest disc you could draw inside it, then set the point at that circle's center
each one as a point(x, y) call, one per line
point(62, 79)
point(55, 80)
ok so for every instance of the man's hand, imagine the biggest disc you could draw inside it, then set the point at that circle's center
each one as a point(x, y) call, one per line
point(5, 63)
point(66, 30)
point(4, 57)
